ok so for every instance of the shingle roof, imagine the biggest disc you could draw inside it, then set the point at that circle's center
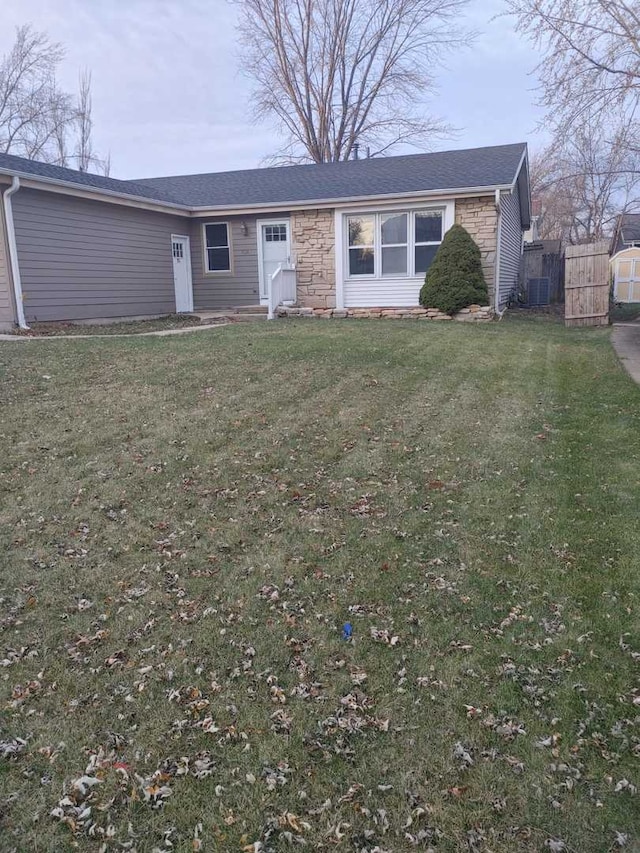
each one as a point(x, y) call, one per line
point(630, 227)
point(11, 163)
point(380, 176)
point(474, 167)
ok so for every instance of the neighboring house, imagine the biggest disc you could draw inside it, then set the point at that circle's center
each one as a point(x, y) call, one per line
point(352, 234)
point(627, 232)
point(625, 260)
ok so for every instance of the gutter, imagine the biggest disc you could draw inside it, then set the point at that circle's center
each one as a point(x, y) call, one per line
point(303, 204)
point(496, 271)
point(13, 251)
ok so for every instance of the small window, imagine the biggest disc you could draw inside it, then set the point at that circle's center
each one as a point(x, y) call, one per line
point(275, 233)
point(178, 250)
point(217, 251)
point(361, 245)
point(427, 238)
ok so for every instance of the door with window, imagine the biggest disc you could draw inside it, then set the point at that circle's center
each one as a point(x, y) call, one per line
point(180, 250)
point(274, 249)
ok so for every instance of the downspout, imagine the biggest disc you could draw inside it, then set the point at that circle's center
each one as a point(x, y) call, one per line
point(13, 251)
point(496, 272)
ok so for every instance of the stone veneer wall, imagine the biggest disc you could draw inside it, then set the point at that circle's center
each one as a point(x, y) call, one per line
point(313, 247)
point(474, 313)
point(314, 251)
point(479, 217)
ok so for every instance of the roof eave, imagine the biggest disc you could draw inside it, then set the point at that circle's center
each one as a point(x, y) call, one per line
point(93, 191)
point(301, 204)
point(85, 190)
point(524, 161)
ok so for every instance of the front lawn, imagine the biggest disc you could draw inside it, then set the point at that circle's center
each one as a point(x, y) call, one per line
point(187, 523)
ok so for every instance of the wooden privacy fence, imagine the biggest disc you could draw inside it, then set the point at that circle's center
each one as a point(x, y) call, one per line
point(586, 285)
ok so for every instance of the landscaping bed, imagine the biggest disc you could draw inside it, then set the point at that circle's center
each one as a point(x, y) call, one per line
point(125, 327)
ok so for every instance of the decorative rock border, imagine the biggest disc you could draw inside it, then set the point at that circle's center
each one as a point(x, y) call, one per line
point(474, 313)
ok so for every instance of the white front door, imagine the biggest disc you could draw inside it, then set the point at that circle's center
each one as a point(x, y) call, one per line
point(273, 250)
point(182, 273)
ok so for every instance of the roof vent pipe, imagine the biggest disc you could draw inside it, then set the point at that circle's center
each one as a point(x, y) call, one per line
point(356, 147)
point(13, 251)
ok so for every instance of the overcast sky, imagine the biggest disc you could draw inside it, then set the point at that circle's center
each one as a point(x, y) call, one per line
point(168, 97)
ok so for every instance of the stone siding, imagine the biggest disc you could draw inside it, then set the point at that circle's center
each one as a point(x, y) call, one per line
point(314, 252)
point(479, 217)
point(313, 246)
point(474, 313)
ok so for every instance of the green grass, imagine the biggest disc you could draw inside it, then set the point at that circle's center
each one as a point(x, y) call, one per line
point(186, 523)
point(625, 312)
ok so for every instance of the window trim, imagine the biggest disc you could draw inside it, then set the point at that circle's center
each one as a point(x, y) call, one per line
point(411, 244)
point(205, 254)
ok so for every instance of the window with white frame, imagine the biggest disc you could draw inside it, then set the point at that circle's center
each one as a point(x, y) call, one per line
point(361, 245)
point(217, 251)
point(393, 244)
point(393, 241)
point(427, 231)
point(275, 233)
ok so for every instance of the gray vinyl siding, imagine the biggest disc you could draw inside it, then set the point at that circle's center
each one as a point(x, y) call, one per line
point(84, 259)
point(241, 285)
point(510, 245)
point(7, 315)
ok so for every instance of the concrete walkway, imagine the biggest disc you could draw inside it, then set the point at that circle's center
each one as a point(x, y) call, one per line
point(161, 333)
point(625, 338)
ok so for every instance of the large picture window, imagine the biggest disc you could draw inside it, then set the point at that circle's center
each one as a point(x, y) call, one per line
point(217, 253)
point(393, 244)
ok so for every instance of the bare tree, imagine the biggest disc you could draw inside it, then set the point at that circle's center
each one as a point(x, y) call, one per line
point(84, 153)
point(39, 120)
point(340, 73)
point(590, 55)
point(31, 105)
point(85, 157)
point(582, 181)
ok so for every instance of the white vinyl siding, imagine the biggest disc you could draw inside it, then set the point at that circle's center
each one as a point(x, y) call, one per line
point(511, 245)
point(386, 251)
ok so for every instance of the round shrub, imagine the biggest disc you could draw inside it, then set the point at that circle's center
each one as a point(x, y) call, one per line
point(455, 279)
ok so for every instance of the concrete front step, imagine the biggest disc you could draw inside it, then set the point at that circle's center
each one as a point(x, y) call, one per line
point(243, 317)
point(251, 309)
point(244, 313)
